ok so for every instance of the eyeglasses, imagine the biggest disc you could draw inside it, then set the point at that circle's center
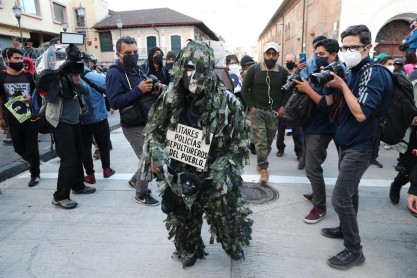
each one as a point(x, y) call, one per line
point(351, 48)
point(273, 54)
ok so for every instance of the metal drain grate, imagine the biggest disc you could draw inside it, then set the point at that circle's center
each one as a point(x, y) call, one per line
point(257, 194)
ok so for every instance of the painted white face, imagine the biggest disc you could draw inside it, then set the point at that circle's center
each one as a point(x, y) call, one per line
point(192, 82)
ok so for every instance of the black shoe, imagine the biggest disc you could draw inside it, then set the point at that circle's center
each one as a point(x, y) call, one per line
point(252, 148)
point(34, 181)
point(394, 193)
point(280, 153)
point(146, 199)
point(346, 259)
point(376, 163)
point(335, 232)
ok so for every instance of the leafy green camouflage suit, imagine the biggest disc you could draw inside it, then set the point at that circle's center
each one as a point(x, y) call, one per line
point(217, 112)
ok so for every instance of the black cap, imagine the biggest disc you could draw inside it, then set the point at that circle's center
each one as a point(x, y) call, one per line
point(246, 60)
point(399, 61)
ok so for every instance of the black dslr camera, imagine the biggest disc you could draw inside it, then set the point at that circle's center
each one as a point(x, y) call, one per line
point(321, 78)
point(290, 85)
point(156, 84)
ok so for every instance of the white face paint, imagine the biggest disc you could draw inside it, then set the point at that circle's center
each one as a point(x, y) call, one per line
point(192, 82)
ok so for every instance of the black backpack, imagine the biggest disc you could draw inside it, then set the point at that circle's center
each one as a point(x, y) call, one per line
point(395, 121)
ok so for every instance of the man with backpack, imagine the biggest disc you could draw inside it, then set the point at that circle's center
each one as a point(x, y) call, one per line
point(16, 86)
point(262, 93)
point(366, 94)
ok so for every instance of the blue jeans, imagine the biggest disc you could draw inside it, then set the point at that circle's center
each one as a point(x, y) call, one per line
point(345, 199)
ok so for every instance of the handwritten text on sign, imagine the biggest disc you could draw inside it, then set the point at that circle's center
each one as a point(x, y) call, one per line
point(186, 144)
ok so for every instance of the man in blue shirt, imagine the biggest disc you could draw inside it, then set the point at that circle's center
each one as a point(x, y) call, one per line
point(366, 94)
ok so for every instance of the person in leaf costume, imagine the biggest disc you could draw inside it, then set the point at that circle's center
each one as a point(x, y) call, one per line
point(196, 100)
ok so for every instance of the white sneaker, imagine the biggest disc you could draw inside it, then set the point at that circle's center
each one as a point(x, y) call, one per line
point(387, 147)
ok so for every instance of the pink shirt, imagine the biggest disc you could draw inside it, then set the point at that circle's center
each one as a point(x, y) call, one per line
point(409, 68)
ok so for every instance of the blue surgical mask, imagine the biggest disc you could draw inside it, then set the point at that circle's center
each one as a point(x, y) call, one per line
point(321, 61)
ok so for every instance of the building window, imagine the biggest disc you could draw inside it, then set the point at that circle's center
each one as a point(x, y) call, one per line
point(106, 44)
point(150, 42)
point(30, 6)
point(80, 19)
point(59, 12)
point(176, 44)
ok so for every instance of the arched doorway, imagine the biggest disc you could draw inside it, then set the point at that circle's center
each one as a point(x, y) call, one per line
point(390, 37)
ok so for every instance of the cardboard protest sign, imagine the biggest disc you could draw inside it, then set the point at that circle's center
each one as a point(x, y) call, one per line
point(186, 144)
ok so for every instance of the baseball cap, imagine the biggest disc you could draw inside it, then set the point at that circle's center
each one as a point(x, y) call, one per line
point(399, 61)
point(246, 60)
point(380, 56)
point(272, 45)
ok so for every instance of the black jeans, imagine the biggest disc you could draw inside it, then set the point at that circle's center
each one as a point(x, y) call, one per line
point(345, 199)
point(69, 149)
point(296, 136)
point(101, 133)
point(25, 144)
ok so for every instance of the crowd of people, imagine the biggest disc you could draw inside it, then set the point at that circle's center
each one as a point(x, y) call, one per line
point(191, 102)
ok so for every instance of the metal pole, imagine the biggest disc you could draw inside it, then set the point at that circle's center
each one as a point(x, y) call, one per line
point(21, 37)
point(85, 34)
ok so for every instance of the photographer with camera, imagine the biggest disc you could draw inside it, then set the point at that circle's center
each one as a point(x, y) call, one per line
point(366, 94)
point(126, 84)
point(63, 91)
point(319, 131)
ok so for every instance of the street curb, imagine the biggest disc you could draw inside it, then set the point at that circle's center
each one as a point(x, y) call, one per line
point(45, 154)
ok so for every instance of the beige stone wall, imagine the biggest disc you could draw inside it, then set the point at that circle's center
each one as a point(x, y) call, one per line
point(321, 18)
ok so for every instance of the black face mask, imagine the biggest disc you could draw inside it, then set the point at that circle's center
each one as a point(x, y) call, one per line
point(169, 65)
point(290, 65)
point(16, 66)
point(270, 63)
point(130, 60)
point(157, 59)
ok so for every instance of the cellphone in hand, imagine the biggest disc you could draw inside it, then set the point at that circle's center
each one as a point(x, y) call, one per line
point(303, 57)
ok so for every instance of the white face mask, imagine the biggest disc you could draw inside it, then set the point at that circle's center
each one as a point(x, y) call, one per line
point(352, 58)
point(391, 68)
point(192, 82)
point(234, 68)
